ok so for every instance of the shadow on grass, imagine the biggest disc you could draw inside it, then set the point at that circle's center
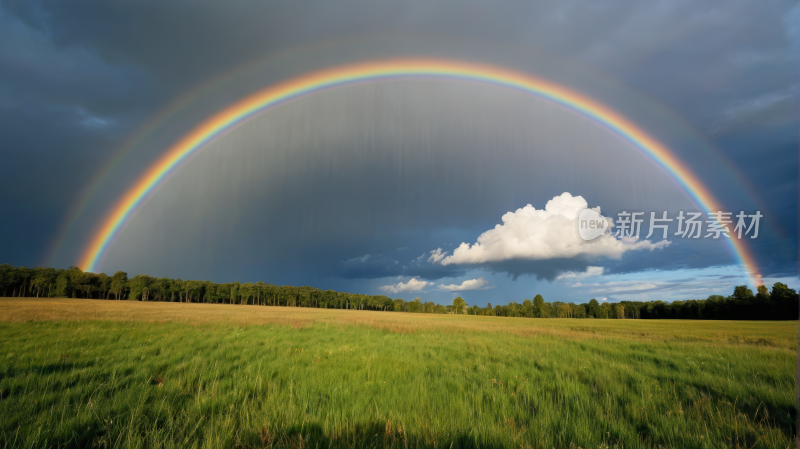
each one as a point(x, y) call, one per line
point(50, 368)
point(368, 435)
point(308, 435)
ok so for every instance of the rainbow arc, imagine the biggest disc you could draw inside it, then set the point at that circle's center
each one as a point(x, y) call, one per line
point(275, 95)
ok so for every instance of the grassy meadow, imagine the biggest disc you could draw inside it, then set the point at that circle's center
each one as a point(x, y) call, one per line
point(90, 373)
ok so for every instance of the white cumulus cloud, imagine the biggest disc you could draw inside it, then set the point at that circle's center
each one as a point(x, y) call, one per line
point(413, 285)
point(590, 271)
point(469, 284)
point(437, 255)
point(540, 234)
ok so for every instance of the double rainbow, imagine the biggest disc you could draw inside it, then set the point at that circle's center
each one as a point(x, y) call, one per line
point(301, 86)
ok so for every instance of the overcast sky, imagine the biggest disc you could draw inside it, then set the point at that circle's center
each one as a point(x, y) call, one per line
point(431, 188)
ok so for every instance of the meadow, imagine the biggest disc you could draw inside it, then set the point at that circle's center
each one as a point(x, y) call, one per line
point(96, 373)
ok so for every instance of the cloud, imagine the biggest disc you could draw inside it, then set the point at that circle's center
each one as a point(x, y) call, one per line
point(618, 286)
point(437, 255)
point(543, 234)
point(590, 271)
point(413, 285)
point(469, 284)
point(768, 109)
point(378, 266)
point(658, 286)
point(368, 266)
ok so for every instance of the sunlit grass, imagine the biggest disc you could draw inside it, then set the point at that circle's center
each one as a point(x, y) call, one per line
point(129, 374)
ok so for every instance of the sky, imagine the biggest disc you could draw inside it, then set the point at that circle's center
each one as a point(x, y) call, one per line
point(434, 188)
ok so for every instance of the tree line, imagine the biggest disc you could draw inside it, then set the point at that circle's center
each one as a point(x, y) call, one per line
point(779, 303)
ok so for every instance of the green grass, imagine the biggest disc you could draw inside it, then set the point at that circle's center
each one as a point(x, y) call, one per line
point(340, 380)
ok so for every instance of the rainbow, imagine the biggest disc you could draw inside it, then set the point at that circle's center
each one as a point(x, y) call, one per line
point(298, 87)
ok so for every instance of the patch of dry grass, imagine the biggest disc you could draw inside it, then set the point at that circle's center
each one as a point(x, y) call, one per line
point(777, 334)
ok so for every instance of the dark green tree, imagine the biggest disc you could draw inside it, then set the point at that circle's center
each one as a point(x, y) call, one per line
point(592, 310)
point(538, 303)
point(118, 283)
point(743, 294)
point(458, 305)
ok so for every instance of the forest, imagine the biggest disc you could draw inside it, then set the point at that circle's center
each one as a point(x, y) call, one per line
point(778, 303)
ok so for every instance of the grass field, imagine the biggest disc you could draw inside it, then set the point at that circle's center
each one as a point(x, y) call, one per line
point(82, 373)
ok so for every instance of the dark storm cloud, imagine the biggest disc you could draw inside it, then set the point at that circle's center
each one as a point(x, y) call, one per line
point(382, 266)
point(39, 75)
point(736, 54)
point(426, 270)
point(681, 254)
point(371, 267)
point(77, 77)
point(541, 269)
